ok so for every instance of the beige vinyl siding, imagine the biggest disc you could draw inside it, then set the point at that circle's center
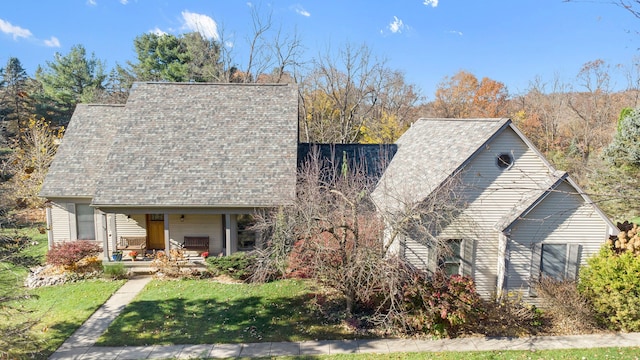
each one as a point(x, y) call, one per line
point(197, 225)
point(60, 222)
point(417, 254)
point(562, 217)
point(491, 193)
point(133, 225)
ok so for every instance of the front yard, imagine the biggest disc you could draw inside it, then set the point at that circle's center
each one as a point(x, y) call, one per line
point(53, 313)
point(205, 311)
point(200, 311)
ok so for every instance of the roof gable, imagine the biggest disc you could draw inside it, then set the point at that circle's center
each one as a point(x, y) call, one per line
point(430, 152)
point(79, 159)
point(203, 145)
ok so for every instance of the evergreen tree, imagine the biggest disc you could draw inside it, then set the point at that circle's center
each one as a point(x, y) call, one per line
point(15, 101)
point(624, 151)
point(189, 57)
point(68, 80)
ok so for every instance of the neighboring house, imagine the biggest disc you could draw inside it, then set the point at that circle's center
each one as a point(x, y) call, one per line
point(178, 161)
point(517, 218)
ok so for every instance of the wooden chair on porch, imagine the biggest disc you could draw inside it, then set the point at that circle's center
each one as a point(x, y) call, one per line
point(132, 243)
point(196, 243)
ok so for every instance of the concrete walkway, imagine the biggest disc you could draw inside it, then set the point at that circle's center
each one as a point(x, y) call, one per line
point(80, 345)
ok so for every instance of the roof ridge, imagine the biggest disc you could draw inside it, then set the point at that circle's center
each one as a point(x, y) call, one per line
point(208, 83)
point(104, 105)
point(497, 119)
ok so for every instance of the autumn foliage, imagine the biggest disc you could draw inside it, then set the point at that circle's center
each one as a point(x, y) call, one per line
point(69, 253)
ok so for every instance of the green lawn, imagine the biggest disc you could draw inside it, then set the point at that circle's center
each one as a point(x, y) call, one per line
point(55, 312)
point(204, 311)
point(58, 311)
point(572, 354)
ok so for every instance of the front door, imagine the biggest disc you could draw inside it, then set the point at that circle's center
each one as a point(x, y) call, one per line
point(155, 231)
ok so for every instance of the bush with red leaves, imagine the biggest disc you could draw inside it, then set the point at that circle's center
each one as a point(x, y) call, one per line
point(68, 253)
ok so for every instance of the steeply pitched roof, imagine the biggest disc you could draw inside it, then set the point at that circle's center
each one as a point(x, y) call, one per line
point(203, 145)
point(429, 152)
point(78, 162)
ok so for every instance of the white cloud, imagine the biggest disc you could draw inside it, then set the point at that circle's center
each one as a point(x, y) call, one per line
point(92, 2)
point(455, 32)
point(53, 42)
point(124, 2)
point(228, 44)
point(396, 26)
point(203, 24)
point(300, 10)
point(15, 31)
point(157, 31)
point(432, 3)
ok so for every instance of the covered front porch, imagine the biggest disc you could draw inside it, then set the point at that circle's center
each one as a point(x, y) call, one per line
point(192, 233)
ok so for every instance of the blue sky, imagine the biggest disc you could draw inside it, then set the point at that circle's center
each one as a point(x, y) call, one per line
point(512, 41)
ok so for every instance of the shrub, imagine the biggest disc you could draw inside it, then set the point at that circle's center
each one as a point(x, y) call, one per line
point(508, 315)
point(67, 254)
point(438, 304)
point(611, 283)
point(115, 271)
point(568, 310)
point(239, 265)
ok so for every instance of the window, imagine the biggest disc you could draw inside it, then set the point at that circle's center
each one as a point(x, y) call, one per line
point(556, 260)
point(504, 161)
point(85, 222)
point(451, 262)
point(246, 236)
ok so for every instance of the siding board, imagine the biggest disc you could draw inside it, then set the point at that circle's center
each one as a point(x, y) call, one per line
point(562, 217)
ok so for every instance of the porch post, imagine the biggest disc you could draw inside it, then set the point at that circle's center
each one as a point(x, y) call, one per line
point(167, 250)
point(227, 233)
point(112, 231)
point(102, 227)
point(49, 226)
point(503, 239)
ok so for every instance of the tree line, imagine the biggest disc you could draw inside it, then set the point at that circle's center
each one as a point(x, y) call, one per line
point(346, 96)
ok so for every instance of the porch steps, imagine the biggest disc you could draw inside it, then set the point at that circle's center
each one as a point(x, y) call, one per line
point(146, 267)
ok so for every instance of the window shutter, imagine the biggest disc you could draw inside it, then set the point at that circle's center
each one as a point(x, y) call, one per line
point(573, 261)
point(467, 251)
point(536, 259)
point(73, 228)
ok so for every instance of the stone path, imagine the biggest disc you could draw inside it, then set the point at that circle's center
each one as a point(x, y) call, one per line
point(80, 345)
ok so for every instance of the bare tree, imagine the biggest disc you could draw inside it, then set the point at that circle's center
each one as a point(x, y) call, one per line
point(593, 108)
point(30, 161)
point(353, 96)
point(343, 90)
point(544, 108)
point(334, 233)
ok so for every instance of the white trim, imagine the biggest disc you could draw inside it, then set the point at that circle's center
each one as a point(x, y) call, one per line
point(73, 225)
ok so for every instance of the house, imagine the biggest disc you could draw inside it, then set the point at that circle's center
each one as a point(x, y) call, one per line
point(184, 165)
point(178, 165)
point(517, 217)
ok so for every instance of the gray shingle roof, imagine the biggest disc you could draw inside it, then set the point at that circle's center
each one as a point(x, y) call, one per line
point(203, 145)
point(78, 162)
point(428, 153)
